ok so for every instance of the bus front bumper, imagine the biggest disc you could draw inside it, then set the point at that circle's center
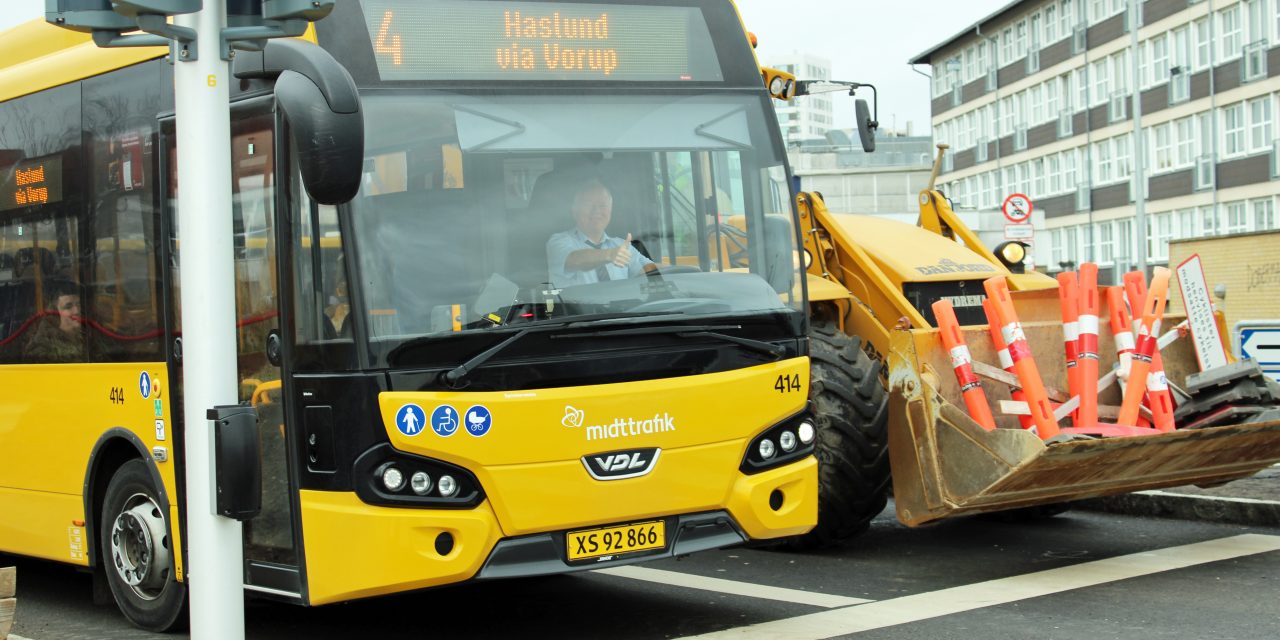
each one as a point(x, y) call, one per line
point(357, 550)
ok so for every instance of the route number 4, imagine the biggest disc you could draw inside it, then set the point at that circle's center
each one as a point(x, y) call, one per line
point(787, 383)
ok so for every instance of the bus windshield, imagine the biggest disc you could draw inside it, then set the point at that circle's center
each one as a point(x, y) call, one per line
point(485, 211)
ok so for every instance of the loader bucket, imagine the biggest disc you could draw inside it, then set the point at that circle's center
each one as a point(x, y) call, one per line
point(945, 464)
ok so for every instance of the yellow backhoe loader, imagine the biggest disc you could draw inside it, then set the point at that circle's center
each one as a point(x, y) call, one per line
point(888, 400)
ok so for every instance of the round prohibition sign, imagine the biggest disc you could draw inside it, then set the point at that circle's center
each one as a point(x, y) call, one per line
point(1017, 208)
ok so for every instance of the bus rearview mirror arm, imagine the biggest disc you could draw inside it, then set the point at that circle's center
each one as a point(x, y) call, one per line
point(329, 140)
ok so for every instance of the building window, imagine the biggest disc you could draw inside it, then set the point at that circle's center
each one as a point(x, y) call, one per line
point(1260, 124)
point(1164, 232)
point(1203, 42)
point(1067, 17)
point(1106, 243)
point(1186, 223)
point(1233, 130)
point(1055, 174)
point(1036, 98)
point(1208, 221)
point(1020, 39)
point(1006, 46)
point(1038, 174)
point(1160, 58)
point(1103, 170)
point(1050, 24)
point(1256, 12)
point(1163, 147)
point(1121, 150)
point(1185, 141)
point(1264, 214)
point(1237, 219)
point(1069, 170)
point(1101, 72)
point(1230, 32)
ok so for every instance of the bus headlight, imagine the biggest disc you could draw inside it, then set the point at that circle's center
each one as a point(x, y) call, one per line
point(783, 443)
point(386, 476)
point(420, 483)
point(392, 478)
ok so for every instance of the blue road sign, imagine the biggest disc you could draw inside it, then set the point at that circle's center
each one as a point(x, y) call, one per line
point(1262, 345)
point(144, 384)
point(410, 419)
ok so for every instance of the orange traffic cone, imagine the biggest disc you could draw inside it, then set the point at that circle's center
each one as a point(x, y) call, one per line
point(953, 339)
point(1006, 362)
point(1045, 425)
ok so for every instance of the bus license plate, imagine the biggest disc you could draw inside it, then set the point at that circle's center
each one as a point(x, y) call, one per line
point(593, 543)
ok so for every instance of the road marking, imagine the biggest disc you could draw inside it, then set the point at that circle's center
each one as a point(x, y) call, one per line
point(733, 587)
point(1192, 496)
point(922, 606)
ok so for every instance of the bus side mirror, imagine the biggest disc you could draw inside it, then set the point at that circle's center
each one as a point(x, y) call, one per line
point(866, 126)
point(322, 106)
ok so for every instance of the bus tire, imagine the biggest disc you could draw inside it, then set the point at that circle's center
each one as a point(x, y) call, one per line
point(851, 416)
point(137, 551)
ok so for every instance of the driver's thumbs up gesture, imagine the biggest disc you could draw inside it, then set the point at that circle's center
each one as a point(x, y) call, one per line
point(621, 254)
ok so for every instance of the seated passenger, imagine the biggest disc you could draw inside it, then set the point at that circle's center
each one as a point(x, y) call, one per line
point(586, 254)
point(58, 336)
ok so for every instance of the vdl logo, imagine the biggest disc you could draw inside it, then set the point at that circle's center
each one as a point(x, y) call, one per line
point(621, 464)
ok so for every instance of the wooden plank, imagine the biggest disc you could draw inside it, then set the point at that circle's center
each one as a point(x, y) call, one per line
point(7, 607)
point(8, 579)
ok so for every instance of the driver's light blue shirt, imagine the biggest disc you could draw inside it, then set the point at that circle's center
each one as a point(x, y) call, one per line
point(566, 242)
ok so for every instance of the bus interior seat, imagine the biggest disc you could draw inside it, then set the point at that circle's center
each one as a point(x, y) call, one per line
point(436, 231)
point(549, 213)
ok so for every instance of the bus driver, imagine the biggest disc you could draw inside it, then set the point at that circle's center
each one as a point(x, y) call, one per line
point(586, 254)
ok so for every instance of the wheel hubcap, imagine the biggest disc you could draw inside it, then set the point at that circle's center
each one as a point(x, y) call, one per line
point(139, 547)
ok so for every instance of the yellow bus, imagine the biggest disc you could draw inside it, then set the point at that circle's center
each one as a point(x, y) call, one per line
point(561, 325)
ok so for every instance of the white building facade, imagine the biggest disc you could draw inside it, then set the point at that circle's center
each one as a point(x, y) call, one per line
point(1038, 98)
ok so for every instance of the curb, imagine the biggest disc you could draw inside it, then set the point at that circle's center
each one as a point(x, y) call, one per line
point(1165, 504)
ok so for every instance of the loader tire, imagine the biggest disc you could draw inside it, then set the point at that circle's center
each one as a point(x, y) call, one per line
point(851, 415)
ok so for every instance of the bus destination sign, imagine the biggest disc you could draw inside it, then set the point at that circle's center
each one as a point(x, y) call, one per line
point(31, 182)
point(463, 40)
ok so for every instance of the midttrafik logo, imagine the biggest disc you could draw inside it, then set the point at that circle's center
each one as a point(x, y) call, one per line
point(619, 427)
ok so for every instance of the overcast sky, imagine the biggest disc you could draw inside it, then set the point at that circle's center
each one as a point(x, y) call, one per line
point(866, 41)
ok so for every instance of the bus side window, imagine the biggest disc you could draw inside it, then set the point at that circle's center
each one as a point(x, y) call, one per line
point(122, 289)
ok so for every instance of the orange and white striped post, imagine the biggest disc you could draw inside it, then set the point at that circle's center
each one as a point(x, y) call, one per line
point(961, 360)
point(1159, 398)
point(1089, 307)
point(1147, 328)
point(1006, 361)
point(1121, 330)
point(1045, 425)
point(1068, 298)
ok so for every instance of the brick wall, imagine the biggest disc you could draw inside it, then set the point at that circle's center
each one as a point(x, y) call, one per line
point(1247, 263)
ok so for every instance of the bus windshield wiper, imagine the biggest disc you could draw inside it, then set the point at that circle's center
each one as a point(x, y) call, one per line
point(688, 331)
point(454, 377)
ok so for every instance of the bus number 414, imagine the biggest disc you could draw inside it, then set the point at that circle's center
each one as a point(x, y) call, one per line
point(117, 395)
point(787, 383)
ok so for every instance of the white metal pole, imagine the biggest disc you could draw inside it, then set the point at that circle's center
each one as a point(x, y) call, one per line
point(1138, 186)
point(215, 575)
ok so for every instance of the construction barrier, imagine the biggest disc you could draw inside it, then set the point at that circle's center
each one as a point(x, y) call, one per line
point(1159, 399)
point(1145, 346)
point(962, 362)
point(1045, 424)
point(1088, 354)
point(1069, 299)
point(1006, 361)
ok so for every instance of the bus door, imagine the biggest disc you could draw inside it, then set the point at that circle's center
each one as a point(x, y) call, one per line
point(270, 543)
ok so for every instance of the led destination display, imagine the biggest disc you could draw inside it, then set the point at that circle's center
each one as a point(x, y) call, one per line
point(464, 40)
point(31, 182)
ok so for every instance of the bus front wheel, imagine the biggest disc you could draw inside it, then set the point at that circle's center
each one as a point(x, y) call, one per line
point(137, 551)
